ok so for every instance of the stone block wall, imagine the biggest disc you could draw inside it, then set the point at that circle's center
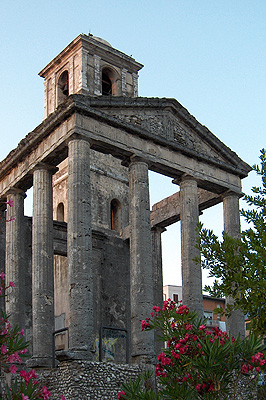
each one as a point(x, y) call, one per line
point(81, 380)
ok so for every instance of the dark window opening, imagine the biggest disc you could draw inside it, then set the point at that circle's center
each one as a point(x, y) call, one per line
point(63, 87)
point(60, 212)
point(175, 297)
point(247, 326)
point(116, 214)
point(106, 83)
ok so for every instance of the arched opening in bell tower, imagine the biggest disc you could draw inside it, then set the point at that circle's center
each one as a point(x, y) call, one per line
point(107, 82)
point(116, 215)
point(62, 87)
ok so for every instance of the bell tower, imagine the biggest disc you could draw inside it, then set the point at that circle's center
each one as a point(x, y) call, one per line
point(89, 65)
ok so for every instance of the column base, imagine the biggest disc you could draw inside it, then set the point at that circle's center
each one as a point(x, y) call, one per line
point(143, 359)
point(74, 354)
point(39, 362)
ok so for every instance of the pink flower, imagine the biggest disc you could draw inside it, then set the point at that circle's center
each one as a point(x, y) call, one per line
point(3, 349)
point(14, 358)
point(10, 202)
point(182, 310)
point(202, 327)
point(244, 369)
point(198, 387)
point(11, 284)
point(62, 397)
point(2, 276)
point(145, 324)
point(25, 397)
point(25, 376)
point(120, 394)
point(13, 369)
point(45, 393)
point(22, 333)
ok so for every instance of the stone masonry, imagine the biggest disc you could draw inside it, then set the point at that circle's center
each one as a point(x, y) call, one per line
point(87, 266)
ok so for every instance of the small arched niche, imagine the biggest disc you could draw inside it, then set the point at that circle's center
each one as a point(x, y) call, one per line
point(60, 213)
point(62, 87)
point(108, 80)
point(116, 215)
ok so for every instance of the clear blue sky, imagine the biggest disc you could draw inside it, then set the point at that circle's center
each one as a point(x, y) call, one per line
point(208, 54)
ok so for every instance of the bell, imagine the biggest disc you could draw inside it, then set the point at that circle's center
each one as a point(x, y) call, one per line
point(65, 89)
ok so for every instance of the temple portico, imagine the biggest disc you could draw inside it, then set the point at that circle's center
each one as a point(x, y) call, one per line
point(93, 245)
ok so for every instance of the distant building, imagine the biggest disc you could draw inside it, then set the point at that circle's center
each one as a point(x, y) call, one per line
point(174, 292)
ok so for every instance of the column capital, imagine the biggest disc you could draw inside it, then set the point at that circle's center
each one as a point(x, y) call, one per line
point(16, 191)
point(138, 159)
point(184, 178)
point(158, 228)
point(230, 193)
point(134, 159)
point(79, 136)
point(44, 166)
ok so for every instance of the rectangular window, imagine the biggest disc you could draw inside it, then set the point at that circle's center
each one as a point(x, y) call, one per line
point(247, 326)
point(208, 314)
point(175, 297)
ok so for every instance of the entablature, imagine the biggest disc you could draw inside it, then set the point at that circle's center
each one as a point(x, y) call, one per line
point(109, 134)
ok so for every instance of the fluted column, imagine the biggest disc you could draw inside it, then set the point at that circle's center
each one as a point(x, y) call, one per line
point(2, 248)
point(156, 236)
point(42, 266)
point(140, 260)
point(236, 323)
point(191, 271)
point(79, 248)
point(15, 258)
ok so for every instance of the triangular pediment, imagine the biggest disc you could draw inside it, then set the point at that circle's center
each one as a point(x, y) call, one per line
point(169, 120)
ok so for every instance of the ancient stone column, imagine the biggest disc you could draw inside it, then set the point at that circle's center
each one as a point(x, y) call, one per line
point(236, 323)
point(2, 248)
point(42, 267)
point(15, 258)
point(191, 271)
point(79, 250)
point(141, 273)
point(156, 234)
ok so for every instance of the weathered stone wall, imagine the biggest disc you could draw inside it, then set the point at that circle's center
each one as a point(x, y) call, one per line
point(110, 255)
point(87, 380)
point(109, 180)
point(110, 279)
point(102, 381)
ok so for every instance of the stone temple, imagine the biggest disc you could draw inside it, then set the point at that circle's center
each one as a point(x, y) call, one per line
point(87, 266)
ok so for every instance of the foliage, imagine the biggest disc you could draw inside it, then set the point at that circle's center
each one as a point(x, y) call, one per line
point(197, 363)
point(239, 265)
point(13, 348)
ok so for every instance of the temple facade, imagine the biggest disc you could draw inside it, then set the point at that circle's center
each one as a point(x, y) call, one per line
point(88, 265)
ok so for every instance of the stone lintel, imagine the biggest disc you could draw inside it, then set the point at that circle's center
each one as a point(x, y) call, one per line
point(229, 193)
point(167, 211)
